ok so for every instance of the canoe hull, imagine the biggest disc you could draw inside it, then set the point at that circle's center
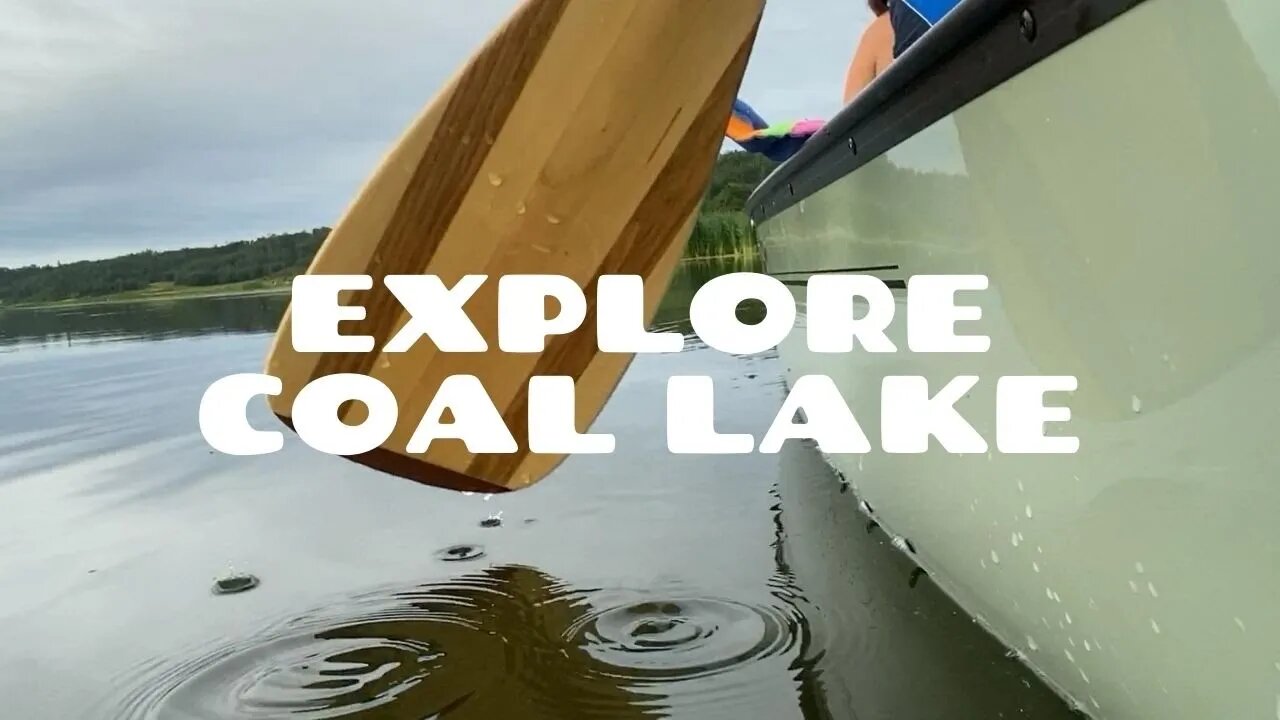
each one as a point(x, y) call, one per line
point(1119, 196)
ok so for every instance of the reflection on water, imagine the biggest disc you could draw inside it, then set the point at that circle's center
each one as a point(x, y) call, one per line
point(152, 320)
point(508, 641)
point(640, 584)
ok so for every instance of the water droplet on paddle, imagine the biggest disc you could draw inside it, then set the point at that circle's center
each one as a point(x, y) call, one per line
point(554, 220)
point(521, 209)
point(495, 180)
point(1137, 404)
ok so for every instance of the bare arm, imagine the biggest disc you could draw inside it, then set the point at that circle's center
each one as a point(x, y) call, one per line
point(866, 63)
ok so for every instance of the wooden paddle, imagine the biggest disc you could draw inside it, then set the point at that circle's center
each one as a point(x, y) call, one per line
point(578, 141)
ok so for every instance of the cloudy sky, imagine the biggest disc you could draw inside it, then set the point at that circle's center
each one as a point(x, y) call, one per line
point(132, 124)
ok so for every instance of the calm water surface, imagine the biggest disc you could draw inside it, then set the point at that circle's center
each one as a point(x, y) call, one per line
point(636, 585)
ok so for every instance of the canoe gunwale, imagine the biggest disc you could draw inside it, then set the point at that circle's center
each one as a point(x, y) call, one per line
point(977, 47)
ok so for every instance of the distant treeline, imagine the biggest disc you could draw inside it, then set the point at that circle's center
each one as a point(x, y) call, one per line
point(721, 229)
point(261, 259)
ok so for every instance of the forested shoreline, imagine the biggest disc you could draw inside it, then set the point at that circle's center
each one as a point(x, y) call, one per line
point(721, 230)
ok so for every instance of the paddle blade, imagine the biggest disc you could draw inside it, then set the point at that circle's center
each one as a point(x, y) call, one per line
point(578, 141)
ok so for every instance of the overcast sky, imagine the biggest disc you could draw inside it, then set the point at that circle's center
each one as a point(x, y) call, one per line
point(132, 124)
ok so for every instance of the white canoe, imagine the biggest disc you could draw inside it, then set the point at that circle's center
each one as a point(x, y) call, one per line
point(1113, 167)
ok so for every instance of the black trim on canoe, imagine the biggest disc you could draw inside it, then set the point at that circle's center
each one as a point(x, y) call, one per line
point(891, 284)
point(977, 47)
point(842, 271)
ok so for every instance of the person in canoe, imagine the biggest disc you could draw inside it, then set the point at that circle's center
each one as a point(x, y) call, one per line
point(875, 50)
point(895, 26)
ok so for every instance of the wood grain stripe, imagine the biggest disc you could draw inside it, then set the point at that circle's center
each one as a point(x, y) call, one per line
point(605, 371)
point(646, 238)
point(411, 468)
point(643, 95)
point(476, 113)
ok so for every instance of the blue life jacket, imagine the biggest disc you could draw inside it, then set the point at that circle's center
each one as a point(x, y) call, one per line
point(911, 19)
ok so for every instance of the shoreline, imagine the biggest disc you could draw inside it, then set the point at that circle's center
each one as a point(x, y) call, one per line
point(210, 293)
point(233, 291)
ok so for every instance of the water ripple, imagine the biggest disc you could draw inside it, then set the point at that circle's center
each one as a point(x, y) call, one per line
point(506, 642)
point(671, 640)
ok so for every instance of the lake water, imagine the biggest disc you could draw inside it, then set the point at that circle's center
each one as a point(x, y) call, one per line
point(635, 585)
